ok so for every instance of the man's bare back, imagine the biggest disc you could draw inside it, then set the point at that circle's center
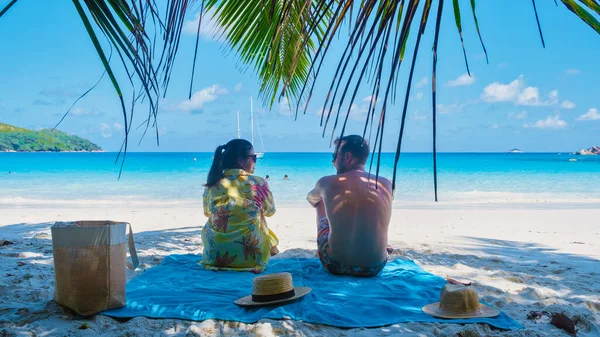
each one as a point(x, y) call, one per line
point(353, 213)
point(359, 211)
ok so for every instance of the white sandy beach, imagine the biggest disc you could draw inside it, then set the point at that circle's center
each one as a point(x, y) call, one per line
point(520, 258)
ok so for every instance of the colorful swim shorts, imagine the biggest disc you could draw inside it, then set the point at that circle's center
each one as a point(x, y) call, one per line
point(335, 267)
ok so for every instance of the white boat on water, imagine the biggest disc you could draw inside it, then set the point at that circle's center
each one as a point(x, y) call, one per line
point(261, 153)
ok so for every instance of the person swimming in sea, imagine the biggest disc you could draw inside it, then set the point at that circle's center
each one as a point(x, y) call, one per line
point(285, 177)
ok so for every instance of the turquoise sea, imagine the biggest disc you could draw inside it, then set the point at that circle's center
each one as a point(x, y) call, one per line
point(177, 178)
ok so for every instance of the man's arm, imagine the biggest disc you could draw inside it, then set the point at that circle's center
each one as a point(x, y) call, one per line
point(314, 197)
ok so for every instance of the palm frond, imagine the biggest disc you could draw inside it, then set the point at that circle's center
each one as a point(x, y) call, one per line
point(106, 64)
point(583, 14)
point(423, 24)
point(476, 27)
point(459, 27)
point(434, 88)
point(593, 5)
point(7, 7)
point(196, 49)
point(276, 37)
point(125, 24)
point(537, 19)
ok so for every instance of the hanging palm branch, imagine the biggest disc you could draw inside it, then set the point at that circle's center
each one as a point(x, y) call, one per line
point(275, 37)
point(130, 28)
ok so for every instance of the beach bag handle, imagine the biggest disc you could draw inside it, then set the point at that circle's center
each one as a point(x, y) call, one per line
point(132, 252)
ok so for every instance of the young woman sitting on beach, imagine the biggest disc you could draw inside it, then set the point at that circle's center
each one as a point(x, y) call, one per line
point(236, 202)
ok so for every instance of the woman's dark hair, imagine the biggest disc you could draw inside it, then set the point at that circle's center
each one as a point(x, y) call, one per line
point(226, 157)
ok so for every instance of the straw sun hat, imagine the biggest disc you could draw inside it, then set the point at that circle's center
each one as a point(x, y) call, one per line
point(272, 289)
point(459, 301)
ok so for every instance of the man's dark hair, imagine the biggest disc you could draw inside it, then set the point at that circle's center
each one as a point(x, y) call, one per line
point(356, 145)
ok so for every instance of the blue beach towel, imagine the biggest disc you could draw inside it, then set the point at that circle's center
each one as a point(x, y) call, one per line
point(179, 288)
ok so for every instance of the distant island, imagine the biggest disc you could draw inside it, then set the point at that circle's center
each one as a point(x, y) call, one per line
point(592, 151)
point(515, 151)
point(15, 139)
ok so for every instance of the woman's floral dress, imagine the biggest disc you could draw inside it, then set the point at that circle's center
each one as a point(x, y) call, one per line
point(236, 236)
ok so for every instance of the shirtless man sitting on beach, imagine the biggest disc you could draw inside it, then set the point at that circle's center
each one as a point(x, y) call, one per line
point(352, 214)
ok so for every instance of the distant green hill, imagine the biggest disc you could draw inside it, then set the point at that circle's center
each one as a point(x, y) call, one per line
point(13, 138)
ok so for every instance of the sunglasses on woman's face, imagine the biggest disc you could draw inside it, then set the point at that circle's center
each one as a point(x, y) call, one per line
point(253, 156)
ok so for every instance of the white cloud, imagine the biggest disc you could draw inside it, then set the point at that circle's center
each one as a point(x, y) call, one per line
point(117, 126)
point(284, 107)
point(520, 115)
point(456, 107)
point(105, 130)
point(517, 93)
point(591, 115)
point(551, 122)
point(359, 112)
point(423, 82)
point(530, 96)
point(553, 96)
point(239, 87)
point(319, 111)
point(446, 108)
point(566, 104)
point(417, 116)
point(572, 71)
point(498, 92)
point(210, 28)
point(495, 126)
point(419, 96)
point(462, 80)
point(200, 98)
point(84, 112)
point(162, 131)
point(370, 98)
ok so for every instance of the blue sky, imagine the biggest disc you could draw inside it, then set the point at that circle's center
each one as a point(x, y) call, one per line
point(528, 97)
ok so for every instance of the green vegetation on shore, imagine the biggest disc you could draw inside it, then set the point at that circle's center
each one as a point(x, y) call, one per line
point(13, 138)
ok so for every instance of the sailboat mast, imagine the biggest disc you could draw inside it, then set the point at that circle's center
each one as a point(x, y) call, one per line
point(262, 145)
point(252, 120)
point(239, 134)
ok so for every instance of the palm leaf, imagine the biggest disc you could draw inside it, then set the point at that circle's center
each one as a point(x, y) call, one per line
point(537, 19)
point(276, 37)
point(7, 7)
point(106, 64)
point(476, 27)
point(125, 25)
point(196, 49)
point(459, 27)
point(583, 14)
point(434, 89)
point(423, 24)
point(592, 4)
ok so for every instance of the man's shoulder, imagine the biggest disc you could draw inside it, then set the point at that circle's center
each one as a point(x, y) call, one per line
point(326, 179)
point(381, 181)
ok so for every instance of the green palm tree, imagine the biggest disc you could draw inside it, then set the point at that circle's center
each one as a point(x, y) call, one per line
point(286, 41)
